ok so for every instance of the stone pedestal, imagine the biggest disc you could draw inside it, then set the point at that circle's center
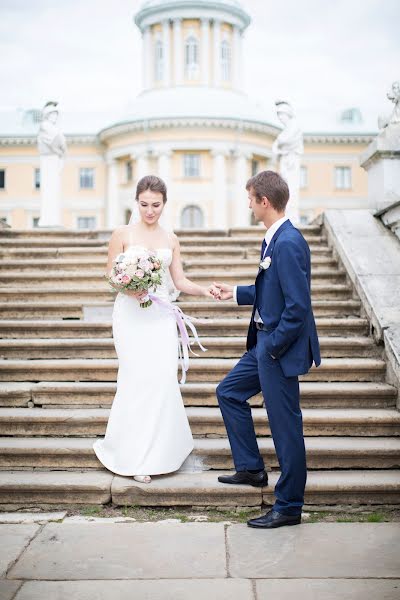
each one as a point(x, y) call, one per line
point(381, 160)
point(50, 191)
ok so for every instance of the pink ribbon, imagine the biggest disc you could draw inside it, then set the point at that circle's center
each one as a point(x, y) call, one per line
point(182, 321)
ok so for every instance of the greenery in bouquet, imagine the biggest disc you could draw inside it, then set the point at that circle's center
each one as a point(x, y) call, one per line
point(140, 272)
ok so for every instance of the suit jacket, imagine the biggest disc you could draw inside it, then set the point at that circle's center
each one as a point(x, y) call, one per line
point(282, 295)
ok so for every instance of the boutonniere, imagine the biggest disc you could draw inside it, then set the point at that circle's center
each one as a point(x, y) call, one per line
point(266, 263)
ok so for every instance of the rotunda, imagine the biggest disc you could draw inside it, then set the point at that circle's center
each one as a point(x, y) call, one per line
point(192, 124)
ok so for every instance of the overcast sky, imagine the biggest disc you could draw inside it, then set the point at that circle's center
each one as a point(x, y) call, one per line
point(323, 55)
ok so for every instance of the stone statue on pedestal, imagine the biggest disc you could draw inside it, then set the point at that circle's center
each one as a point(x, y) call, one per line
point(381, 159)
point(52, 148)
point(287, 150)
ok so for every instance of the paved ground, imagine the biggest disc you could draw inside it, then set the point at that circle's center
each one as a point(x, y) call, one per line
point(77, 559)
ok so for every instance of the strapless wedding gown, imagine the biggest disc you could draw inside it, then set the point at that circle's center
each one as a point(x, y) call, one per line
point(148, 431)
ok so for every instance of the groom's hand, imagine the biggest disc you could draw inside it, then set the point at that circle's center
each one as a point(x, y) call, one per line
point(225, 290)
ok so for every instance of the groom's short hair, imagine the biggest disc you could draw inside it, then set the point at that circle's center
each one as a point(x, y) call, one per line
point(272, 186)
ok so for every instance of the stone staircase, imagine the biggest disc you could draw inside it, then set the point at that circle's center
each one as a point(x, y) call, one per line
point(58, 373)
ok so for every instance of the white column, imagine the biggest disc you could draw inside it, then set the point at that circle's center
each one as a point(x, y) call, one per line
point(167, 52)
point(164, 171)
point(147, 59)
point(178, 52)
point(113, 216)
point(217, 53)
point(241, 211)
point(220, 212)
point(237, 58)
point(141, 165)
point(205, 51)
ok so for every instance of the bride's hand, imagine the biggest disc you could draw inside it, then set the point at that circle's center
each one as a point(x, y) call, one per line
point(210, 292)
point(225, 291)
point(213, 292)
point(137, 295)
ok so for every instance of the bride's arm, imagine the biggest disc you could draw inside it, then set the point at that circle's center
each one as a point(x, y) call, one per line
point(182, 283)
point(115, 247)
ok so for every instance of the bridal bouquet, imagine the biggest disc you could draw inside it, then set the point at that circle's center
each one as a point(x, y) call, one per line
point(140, 271)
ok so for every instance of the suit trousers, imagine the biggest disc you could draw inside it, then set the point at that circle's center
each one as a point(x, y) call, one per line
point(257, 371)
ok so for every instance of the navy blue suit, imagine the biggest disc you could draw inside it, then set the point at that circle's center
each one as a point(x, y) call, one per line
point(273, 361)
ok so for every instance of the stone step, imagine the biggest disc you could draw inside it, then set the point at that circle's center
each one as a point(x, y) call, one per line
point(314, 394)
point(204, 422)
point(208, 453)
point(92, 290)
point(217, 347)
point(201, 370)
point(10, 329)
point(51, 242)
point(204, 237)
point(68, 488)
point(75, 309)
point(243, 240)
point(325, 268)
point(194, 253)
point(326, 283)
point(260, 229)
point(323, 488)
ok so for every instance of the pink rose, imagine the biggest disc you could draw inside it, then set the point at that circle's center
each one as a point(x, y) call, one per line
point(144, 264)
point(139, 273)
point(126, 279)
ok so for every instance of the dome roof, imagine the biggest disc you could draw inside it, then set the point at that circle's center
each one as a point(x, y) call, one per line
point(152, 10)
point(162, 3)
point(194, 103)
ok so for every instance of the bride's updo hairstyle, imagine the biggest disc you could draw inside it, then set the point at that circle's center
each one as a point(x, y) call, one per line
point(152, 183)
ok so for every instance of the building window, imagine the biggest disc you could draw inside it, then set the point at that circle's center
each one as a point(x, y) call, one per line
point(2, 179)
point(192, 218)
point(37, 179)
point(86, 222)
point(255, 166)
point(129, 171)
point(303, 177)
point(86, 179)
point(191, 58)
point(225, 61)
point(35, 221)
point(159, 60)
point(343, 178)
point(191, 165)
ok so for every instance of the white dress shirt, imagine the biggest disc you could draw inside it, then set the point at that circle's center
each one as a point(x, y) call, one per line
point(268, 237)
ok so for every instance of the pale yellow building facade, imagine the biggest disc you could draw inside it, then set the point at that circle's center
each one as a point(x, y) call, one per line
point(192, 125)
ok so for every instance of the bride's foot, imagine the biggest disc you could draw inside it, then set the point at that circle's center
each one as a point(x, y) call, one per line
point(142, 478)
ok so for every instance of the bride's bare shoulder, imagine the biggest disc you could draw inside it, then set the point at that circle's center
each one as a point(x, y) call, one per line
point(122, 232)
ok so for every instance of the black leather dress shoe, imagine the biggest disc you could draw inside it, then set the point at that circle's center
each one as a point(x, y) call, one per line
point(245, 478)
point(274, 519)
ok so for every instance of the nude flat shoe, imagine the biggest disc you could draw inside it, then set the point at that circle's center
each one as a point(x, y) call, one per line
point(142, 478)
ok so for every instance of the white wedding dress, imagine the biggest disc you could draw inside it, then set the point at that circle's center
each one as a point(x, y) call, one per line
point(148, 431)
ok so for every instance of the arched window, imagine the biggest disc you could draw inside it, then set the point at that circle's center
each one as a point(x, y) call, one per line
point(192, 217)
point(225, 60)
point(159, 60)
point(191, 58)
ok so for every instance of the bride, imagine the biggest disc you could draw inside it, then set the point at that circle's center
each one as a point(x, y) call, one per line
point(148, 431)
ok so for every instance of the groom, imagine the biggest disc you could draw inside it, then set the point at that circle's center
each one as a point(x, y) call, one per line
point(282, 343)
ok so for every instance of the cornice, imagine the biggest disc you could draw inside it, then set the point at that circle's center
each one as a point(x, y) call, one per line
point(171, 123)
point(148, 124)
point(186, 9)
point(338, 138)
point(31, 140)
